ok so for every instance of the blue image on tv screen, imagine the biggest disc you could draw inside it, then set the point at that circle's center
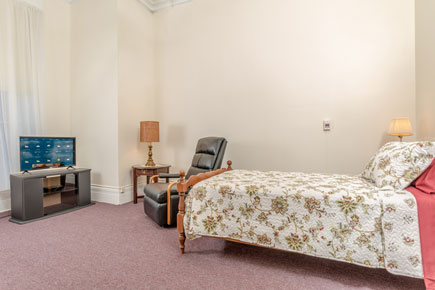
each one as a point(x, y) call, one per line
point(46, 152)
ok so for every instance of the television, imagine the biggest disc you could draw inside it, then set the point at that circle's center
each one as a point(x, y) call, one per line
point(47, 152)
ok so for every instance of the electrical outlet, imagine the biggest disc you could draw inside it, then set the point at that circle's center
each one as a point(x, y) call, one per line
point(326, 125)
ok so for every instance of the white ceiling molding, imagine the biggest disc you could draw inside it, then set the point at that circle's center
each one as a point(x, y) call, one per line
point(35, 3)
point(156, 5)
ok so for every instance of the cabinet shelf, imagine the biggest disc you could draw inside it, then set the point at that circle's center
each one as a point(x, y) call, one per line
point(59, 189)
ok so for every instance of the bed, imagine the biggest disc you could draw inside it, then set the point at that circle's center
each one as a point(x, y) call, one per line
point(370, 220)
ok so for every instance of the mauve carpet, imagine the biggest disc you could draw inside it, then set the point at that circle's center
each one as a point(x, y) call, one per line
point(118, 247)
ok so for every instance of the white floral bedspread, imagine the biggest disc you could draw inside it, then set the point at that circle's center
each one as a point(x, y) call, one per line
point(339, 217)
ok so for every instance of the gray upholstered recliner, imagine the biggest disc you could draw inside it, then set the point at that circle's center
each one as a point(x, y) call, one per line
point(208, 157)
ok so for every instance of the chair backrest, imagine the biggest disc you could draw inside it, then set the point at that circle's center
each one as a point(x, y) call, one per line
point(208, 156)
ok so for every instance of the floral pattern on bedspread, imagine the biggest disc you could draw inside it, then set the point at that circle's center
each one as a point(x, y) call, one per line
point(337, 217)
point(401, 234)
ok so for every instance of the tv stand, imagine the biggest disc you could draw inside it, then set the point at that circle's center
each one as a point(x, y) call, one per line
point(45, 193)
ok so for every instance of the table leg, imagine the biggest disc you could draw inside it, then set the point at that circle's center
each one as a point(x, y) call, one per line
point(134, 186)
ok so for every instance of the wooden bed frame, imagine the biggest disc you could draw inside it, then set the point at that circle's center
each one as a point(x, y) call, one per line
point(182, 187)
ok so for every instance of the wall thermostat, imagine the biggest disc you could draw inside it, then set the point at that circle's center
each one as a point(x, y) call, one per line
point(326, 125)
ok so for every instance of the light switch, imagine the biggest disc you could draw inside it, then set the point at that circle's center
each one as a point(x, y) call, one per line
point(326, 125)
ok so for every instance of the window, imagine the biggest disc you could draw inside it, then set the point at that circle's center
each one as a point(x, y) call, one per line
point(4, 160)
point(20, 56)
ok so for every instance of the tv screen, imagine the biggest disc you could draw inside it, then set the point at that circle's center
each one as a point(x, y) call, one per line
point(46, 152)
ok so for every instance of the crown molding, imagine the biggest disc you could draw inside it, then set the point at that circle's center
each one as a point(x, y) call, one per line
point(156, 5)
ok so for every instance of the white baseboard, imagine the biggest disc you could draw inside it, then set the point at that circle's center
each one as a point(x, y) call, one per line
point(105, 194)
point(115, 195)
point(127, 194)
point(5, 201)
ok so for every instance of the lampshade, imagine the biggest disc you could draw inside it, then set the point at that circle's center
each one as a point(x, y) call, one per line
point(400, 127)
point(149, 131)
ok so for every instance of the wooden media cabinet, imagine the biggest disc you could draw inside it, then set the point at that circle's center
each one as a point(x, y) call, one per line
point(44, 193)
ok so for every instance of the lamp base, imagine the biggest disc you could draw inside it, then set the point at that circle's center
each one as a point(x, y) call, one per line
point(150, 162)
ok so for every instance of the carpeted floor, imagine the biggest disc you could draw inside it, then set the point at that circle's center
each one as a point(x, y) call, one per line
point(118, 247)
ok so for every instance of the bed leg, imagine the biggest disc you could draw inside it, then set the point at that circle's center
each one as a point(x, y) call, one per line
point(182, 239)
point(181, 188)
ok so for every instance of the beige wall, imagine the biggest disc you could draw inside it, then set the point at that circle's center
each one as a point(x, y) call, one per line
point(264, 74)
point(425, 47)
point(94, 88)
point(112, 89)
point(56, 118)
point(135, 82)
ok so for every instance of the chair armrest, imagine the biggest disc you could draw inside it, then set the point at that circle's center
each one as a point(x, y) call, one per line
point(155, 178)
point(169, 175)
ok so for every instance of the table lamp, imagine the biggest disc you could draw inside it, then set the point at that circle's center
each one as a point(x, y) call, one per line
point(149, 132)
point(400, 127)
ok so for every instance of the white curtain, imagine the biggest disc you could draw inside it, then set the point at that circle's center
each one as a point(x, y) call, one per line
point(21, 55)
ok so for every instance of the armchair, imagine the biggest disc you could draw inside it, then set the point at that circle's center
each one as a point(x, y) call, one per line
point(161, 199)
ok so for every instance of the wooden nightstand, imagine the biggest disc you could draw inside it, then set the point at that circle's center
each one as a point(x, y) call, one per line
point(139, 170)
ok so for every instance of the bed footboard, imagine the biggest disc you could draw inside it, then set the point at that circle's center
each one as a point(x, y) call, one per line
point(182, 187)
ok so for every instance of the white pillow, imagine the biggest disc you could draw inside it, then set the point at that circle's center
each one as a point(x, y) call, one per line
point(398, 164)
